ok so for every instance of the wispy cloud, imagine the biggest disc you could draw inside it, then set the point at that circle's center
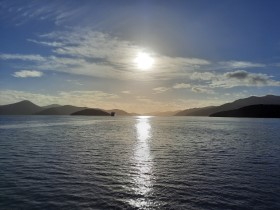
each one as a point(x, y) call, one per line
point(194, 88)
point(202, 76)
point(22, 57)
point(57, 12)
point(158, 90)
point(241, 64)
point(27, 73)
point(88, 52)
point(181, 85)
point(238, 78)
point(126, 92)
point(50, 44)
point(198, 89)
point(244, 78)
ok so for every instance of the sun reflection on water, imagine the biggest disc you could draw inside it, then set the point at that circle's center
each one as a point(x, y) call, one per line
point(142, 164)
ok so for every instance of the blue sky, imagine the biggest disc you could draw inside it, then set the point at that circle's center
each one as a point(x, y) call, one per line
point(83, 52)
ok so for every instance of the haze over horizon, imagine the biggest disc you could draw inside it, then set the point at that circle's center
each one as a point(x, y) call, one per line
point(139, 56)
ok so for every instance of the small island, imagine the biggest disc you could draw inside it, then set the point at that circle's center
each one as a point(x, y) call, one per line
point(92, 112)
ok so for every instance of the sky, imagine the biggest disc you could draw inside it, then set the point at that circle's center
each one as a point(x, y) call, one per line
point(84, 52)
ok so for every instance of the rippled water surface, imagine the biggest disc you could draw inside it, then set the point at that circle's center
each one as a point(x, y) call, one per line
point(49, 162)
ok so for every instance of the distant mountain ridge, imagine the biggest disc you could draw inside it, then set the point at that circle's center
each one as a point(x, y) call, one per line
point(253, 100)
point(20, 108)
point(61, 110)
point(252, 111)
point(28, 108)
point(51, 106)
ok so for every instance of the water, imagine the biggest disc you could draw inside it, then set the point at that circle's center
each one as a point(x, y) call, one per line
point(49, 162)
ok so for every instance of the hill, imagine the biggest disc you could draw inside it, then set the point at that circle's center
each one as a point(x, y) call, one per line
point(92, 112)
point(256, 111)
point(21, 108)
point(204, 111)
point(61, 110)
point(253, 100)
point(51, 106)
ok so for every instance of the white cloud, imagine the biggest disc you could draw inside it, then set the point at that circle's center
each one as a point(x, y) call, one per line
point(202, 76)
point(198, 89)
point(194, 88)
point(88, 52)
point(22, 57)
point(27, 73)
point(92, 53)
point(160, 89)
point(181, 86)
point(21, 12)
point(49, 44)
point(126, 92)
point(241, 64)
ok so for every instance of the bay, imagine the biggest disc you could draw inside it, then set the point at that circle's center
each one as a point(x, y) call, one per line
point(66, 162)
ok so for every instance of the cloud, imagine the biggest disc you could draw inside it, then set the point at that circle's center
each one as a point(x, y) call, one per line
point(238, 78)
point(239, 74)
point(198, 89)
point(244, 78)
point(21, 12)
point(202, 76)
point(181, 85)
point(158, 90)
point(27, 73)
point(22, 57)
point(84, 51)
point(49, 44)
point(193, 88)
point(126, 92)
point(241, 64)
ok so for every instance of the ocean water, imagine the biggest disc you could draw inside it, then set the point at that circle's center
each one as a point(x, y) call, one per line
point(64, 162)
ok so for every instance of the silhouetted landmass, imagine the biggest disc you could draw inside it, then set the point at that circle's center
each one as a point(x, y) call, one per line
point(119, 112)
point(61, 110)
point(254, 111)
point(21, 108)
point(253, 100)
point(28, 108)
point(204, 111)
point(92, 112)
point(51, 106)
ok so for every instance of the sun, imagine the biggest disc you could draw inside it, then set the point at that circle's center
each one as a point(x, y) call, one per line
point(144, 61)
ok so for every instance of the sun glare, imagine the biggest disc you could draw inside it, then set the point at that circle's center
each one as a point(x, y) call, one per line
point(144, 61)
